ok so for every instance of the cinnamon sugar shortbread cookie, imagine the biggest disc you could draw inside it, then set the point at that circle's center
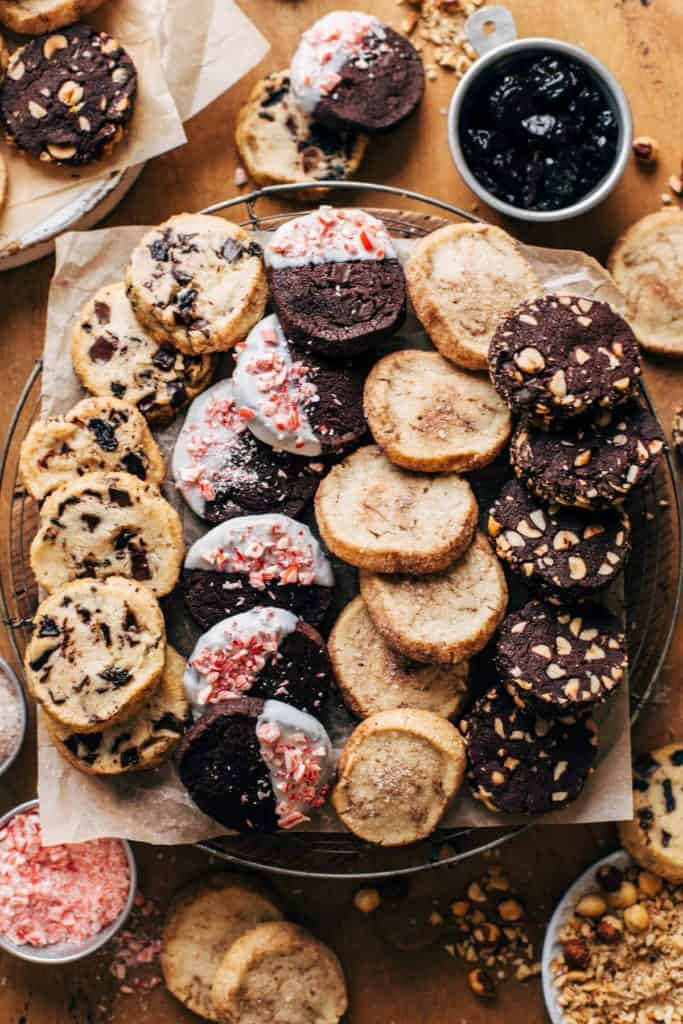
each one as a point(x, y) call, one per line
point(31, 17)
point(462, 280)
point(379, 517)
point(655, 836)
point(428, 415)
point(398, 773)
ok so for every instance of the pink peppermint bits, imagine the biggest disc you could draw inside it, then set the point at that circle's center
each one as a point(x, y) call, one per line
point(296, 764)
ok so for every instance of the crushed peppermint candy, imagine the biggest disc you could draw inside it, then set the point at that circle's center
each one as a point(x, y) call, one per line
point(137, 948)
point(296, 763)
point(329, 234)
point(11, 718)
point(275, 556)
point(231, 670)
point(335, 40)
point(64, 893)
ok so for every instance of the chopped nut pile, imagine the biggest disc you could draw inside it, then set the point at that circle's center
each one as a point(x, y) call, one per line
point(436, 28)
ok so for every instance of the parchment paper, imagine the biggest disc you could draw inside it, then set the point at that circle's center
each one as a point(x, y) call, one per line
point(153, 807)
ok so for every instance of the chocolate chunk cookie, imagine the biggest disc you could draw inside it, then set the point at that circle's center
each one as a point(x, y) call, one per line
point(594, 464)
point(521, 764)
point(556, 661)
point(68, 96)
point(655, 836)
point(561, 356)
point(568, 554)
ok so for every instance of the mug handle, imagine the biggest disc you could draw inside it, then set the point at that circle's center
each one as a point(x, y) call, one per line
point(490, 27)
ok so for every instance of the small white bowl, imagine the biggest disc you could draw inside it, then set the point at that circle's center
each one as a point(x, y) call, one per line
point(9, 672)
point(67, 952)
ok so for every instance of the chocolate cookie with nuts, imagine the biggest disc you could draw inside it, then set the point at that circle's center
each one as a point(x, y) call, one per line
point(68, 96)
point(561, 356)
point(558, 662)
point(566, 553)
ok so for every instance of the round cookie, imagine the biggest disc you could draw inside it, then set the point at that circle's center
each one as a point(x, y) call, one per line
point(256, 766)
point(265, 652)
point(445, 617)
point(428, 415)
point(378, 517)
point(68, 97)
point(351, 69)
point(96, 653)
point(197, 282)
point(567, 553)
point(142, 742)
point(97, 434)
point(257, 560)
point(398, 773)
point(203, 921)
point(561, 356)
point(655, 836)
point(520, 764)
point(557, 661)
point(463, 279)
point(108, 524)
point(31, 17)
point(372, 677)
point(113, 355)
point(279, 972)
point(335, 281)
point(647, 264)
point(281, 144)
point(295, 402)
point(223, 471)
point(592, 465)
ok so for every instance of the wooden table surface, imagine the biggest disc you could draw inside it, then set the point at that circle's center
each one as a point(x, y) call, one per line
point(398, 970)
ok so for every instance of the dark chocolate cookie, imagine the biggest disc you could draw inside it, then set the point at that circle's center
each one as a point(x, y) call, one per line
point(592, 464)
point(567, 553)
point(68, 96)
point(521, 764)
point(556, 661)
point(560, 356)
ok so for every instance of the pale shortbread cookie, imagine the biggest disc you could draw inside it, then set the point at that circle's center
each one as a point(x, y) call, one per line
point(197, 282)
point(655, 836)
point(379, 517)
point(428, 415)
point(372, 677)
point(462, 280)
point(398, 773)
point(204, 920)
point(278, 973)
point(96, 653)
point(108, 524)
point(445, 617)
point(97, 434)
point(647, 264)
point(33, 17)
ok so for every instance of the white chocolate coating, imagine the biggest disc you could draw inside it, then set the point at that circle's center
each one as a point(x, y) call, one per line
point(329, 235)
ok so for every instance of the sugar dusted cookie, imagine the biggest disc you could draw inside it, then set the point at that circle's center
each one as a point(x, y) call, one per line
point(655, 836)
point(31, 17)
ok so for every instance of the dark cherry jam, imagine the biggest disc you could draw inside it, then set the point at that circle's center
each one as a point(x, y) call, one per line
point(540, 133)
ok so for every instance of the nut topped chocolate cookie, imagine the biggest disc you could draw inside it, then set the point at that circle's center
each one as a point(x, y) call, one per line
point(558, 661)
point(569, 554)
point(68, 96)
point(560, 356)
point(655, 836)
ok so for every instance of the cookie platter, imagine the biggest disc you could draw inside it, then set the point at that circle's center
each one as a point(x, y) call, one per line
point(651, 586)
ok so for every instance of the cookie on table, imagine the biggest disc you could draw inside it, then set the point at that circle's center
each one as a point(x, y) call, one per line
point(592, 465)
point(265, 652)
point(521, 764)
point(444, 617)
point(352, 70)
point(372, 677)
point(257, 560)
point(560, 356)
point(647, 264)
point(96, 434)
point(68, 97)
point(398, 773)
point(569, 554)
point(293, 401)
point(335, 281)
point(655, 836)
point(279, 968)
point(428, 415)
point(376, 516)
point(197, 282)
point(281, 144)
point(32, 17)
point(140, 743)
point(108, 524)
point(463, 279)
point(96, 653)
point(203, 921)
point(256, 766)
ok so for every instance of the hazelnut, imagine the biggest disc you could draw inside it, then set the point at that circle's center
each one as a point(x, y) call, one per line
point(459, 908)
point(646, 149)
point(486, 934)
point(576, 954)
point(609, 930)
point(676, 185)
point(649, 884)
point(481, 984)
point(476, 893)
point(510, 910)
point(52, 44)
point(636, 918)
point(591, 905)
point(367, 900)
point(625, 896)
point(61, 152)
point(609, 877)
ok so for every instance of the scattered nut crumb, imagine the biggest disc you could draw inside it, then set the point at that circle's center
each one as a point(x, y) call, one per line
point(240, 176)
point(646, 149)
point(367, 900)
